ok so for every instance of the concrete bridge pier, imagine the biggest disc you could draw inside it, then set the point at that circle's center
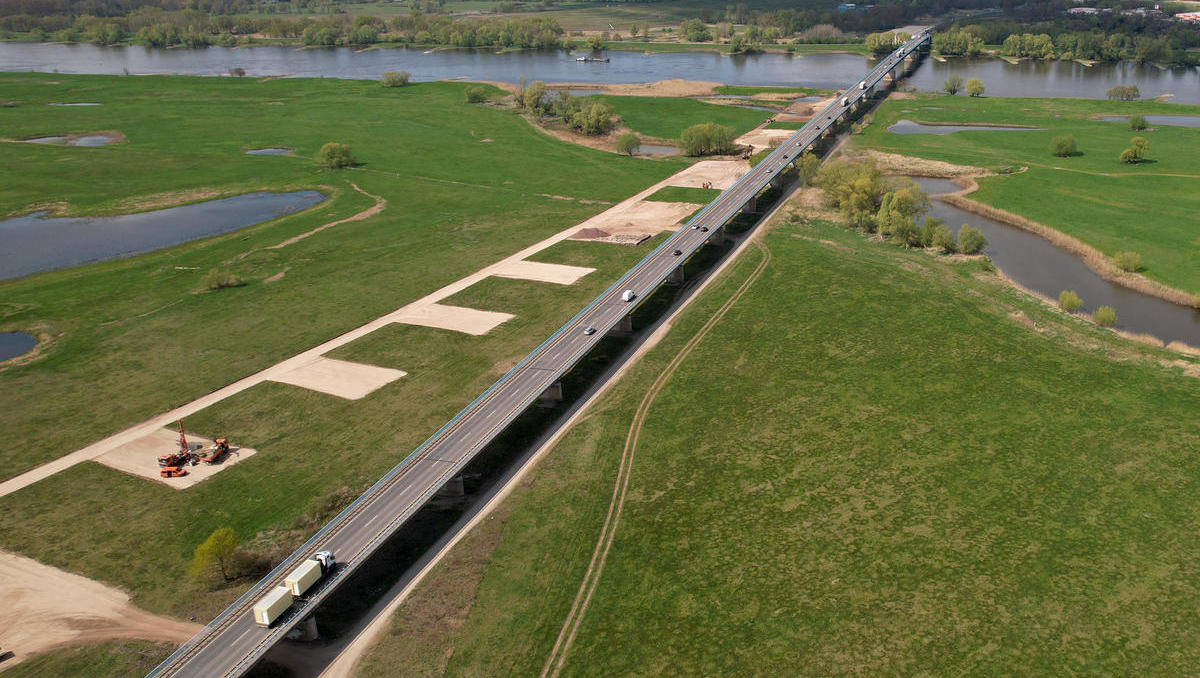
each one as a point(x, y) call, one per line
point(717, 237)
point(624, 326)
point(751, 205)
point(675, 277)
point(308, 629)
point(552, 396)
point(454, 487)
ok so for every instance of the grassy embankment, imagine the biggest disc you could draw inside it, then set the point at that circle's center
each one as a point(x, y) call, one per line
point(1148, 208)
point(118, 658)
point(667, 117)
point(465, 185)
point(684, 194)
point(872, 461)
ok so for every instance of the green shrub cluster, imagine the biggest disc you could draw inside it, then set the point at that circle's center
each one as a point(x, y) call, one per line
point(217, 279)
point(1069, 301)
point(707, 139)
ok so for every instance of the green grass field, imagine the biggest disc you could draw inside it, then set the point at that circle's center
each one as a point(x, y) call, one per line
point(313, 448)
point(466, 185)
point(118, 658)
point(1149, 208)
point(667, 117)
point(868, 466)
point(746, 90)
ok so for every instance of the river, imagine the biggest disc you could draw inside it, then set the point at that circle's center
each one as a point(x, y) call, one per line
point(1027, 78)
point(1037, 264)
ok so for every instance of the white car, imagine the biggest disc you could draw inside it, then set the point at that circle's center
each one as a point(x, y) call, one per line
point(628, 295)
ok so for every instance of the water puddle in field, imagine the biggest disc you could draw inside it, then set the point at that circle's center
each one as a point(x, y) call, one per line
point(910, 127)
point(1168, 120)
point(269, 151)
point(81, 103)
point(83, 140)
point(34, 243)
point(1039, 265)
point(584, 92)
point(13, 344)
point(648, 149)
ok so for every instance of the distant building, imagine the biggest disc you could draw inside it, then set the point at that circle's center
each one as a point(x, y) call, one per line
point(1190, 17)
point(847, 6)
point(1083, 10)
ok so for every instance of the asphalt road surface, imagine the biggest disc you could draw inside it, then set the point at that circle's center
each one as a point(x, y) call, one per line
point(231, 643)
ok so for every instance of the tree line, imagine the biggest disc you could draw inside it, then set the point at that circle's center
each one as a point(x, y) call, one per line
point(1141, 40)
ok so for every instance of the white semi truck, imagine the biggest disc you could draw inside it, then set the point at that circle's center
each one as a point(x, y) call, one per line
point(296, 584)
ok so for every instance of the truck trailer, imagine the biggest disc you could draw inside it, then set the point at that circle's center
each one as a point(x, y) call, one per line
point(272, 605)
point(309, 572)
point(296, 584)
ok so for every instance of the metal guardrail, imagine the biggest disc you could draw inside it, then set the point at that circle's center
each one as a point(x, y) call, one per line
point(242, 604)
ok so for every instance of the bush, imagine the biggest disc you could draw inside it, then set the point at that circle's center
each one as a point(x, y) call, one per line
point(237, 72)
point(595, 117)
point(971, 240)
point(1128, 261)
point(1069, 301)
point(1196, 300)
point(395, 78)
point(1137, 123)
point(628, 143)
point(476, 94)
point(1136, 151)
point(975, 87)
point(943, 238)
point(1063, 146)
point(952, 85)
point(216, 279)
point(1105, 316)
point(335, 156)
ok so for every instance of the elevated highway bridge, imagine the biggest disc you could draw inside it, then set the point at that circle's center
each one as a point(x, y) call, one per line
point(231, 643)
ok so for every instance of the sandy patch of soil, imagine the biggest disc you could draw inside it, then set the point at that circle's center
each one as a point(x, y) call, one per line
point(720, 173)
point(455, 318)
point(663, 88)
point(559, 274)
point(371, 211)
point(140, 458)
point(169, 199)
point(278, 276)
point(339, 378)
point(762, 138)
point(46, 608)
point(632, 223)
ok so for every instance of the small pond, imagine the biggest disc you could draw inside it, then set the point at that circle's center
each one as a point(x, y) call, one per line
point(269, 151)
point(13, 344)
point(910, 127)
point(34, 243)
point(1039, 265)
point(1169, 120)
point(647, 149)
point(82, 103)
point(585, 92)
point(85, 140)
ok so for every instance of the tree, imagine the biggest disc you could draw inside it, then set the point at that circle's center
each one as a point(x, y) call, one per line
point(1105, 316)
point(475, 94)
point(335, 156)
point(695, 30)
point(1136, 151)
point(975, 87)
point(1124, 92)
point(898, 211)
point(1128, 261)
point(395, 78)
point(881, 43)
point(628, 143)
point(971, 240)
point(952, 85)
point(1137, 123)
point(855, 189)
point(534, 98)
point(806, 167)
point(1063, 147)
point(593, 118)
point(706, 139)
point(1069, 301)
point(595, 41)
point(217, 551)
point(633, 31)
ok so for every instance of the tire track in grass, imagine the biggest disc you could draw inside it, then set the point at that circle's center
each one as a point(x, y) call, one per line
point(591, 578)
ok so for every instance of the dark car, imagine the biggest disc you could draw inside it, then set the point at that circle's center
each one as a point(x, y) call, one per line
point(677, 252)
point(589, 330)
point(704, 229)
